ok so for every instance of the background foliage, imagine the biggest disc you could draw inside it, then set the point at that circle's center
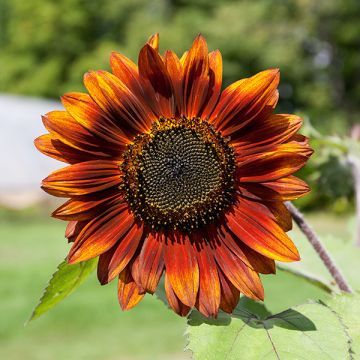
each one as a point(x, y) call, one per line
point(47, 45)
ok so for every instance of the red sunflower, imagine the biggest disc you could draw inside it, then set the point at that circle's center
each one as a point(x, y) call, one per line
point(170, 175)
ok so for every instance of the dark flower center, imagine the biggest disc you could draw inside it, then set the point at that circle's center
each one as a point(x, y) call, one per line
point(180, 175)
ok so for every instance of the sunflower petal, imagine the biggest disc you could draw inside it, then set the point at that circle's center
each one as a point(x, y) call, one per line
point(229, 294)
point(246, 100)
point(90, 116)
point(283, 189)
point(128, 291)
point(209, 287)
point(73, 229)
point(118, 102)
point(83, 208)
point(153, 41)
point(174, 69)
point(195, 77)
point(103, 265)
point(125, 250)
point(182, 268)
point(56, 149)
point(255, 225)
point(241, 276)
point(215, 82)
point(275, 129)
point(83, 178)
point(281, 161)
point(156, 81)
point(280, 214)
point(151, 262)
point(101, 233)
point(260, 263)
point(245, 279)
point(243, 252)
point(288, 188)
point(128, 73)
point(62, 126)
point(174, 302)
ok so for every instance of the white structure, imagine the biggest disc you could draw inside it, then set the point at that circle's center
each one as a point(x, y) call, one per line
point(22, 165)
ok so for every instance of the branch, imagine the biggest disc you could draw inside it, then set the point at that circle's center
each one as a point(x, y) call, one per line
point(319, 248)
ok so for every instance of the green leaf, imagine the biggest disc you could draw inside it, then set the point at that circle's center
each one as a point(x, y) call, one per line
point(64, 281)
point(347, 307)
point(309, 331)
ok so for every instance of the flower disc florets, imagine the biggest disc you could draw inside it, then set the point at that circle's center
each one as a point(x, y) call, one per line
point(180, 175)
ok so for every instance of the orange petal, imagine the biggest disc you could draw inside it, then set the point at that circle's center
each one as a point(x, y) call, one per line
point(242, 277)
point(151, 262)
point(195, 77)
point(156, 81)
point(209, 288)
point(230, 295)
point(249, 257)
point(288, 188)
point(215, 82)
point(258, 262)
point(73, 229)
point(273, 130)
point(90, 116)
point(63, 126)
point(128, 72)
point(83, 208)
point(246, 100)
point(125, 250)
point(101, 233)
point(103, 265)
point(254, 224)
point(182, 268)
point(174, 69)
point(153, 41)
point(174, 302)
point(283, 189)
point(56, 149)
point(183, 58)
point(283, 160)
point(83, 178)
point(128, 292)
point(291, 145)
point(136, 273)
point(280, 214)
point(118, 103)
point(244, 253)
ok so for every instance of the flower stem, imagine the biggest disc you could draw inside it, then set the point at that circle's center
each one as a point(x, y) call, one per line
point(319, 248)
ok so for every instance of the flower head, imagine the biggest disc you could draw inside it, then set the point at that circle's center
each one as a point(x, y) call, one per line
point(171, 175)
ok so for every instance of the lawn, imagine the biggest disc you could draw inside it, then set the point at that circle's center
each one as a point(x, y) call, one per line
point(89, 324)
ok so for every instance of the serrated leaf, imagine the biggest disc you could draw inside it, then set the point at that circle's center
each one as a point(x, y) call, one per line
point(347, 307)
point(309, 331)
point(64, 281)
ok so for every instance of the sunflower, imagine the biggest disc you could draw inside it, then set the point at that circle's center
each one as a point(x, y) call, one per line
point(170, 176)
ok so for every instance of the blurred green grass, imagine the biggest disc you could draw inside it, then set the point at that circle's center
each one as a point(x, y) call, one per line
point(89, 324)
